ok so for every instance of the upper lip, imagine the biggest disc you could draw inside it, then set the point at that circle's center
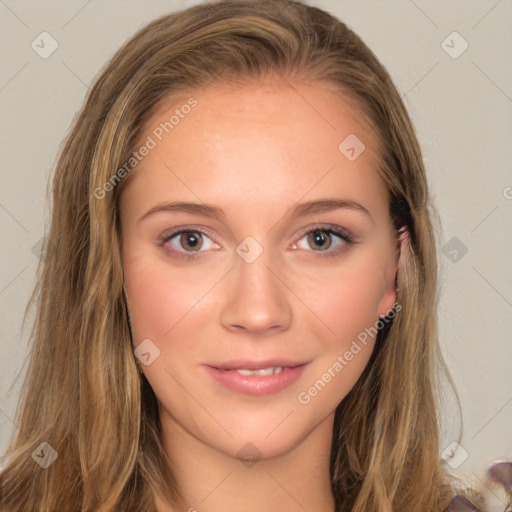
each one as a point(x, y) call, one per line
point(246, 364)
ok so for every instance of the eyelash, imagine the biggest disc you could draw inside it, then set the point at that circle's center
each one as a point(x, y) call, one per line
point(342, 234)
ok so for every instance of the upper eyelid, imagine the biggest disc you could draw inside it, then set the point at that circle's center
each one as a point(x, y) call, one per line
point(171, 233)
point(326, 227)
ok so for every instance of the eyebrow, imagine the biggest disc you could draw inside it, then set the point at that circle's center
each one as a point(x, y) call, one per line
point(300, 210)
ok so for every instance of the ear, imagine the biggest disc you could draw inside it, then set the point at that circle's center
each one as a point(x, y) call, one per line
point(390, 296)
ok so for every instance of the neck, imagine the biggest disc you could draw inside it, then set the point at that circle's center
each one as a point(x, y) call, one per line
point(212, 481)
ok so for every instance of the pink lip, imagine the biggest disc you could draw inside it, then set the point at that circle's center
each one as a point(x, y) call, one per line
point(248, 364)
point(226, 375)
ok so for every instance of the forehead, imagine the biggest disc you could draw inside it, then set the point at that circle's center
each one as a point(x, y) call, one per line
point(276, 137)
point(269, 100)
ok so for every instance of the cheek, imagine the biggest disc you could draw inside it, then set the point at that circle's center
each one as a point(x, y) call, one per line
point(348, 302)
point(159, 297)
point(165, 308)
point(348, 306)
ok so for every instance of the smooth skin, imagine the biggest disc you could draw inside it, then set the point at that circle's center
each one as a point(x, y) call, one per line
point(256, 152)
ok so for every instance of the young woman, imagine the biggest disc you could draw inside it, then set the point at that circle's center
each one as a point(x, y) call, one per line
point(237, 306)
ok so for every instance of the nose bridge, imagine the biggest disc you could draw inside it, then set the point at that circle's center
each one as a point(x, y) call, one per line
point(257, 299)
point(255, 268)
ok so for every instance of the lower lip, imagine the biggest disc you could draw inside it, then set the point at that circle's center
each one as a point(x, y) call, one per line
point(256, 384)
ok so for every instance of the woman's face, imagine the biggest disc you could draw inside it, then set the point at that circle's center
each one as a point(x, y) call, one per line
point(223, 278)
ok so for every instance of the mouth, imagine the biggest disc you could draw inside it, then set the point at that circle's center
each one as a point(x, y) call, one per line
point(256, 377)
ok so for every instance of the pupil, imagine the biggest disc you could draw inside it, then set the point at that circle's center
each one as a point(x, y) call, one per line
point(192, 240)
point(319, 238)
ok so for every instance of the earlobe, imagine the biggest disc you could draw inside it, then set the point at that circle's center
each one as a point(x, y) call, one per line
point(391, 295)
point(387, 302)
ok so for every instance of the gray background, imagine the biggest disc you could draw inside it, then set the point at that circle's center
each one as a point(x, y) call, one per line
point(461, 106)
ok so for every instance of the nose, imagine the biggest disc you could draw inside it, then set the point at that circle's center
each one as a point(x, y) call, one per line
point(257, 298)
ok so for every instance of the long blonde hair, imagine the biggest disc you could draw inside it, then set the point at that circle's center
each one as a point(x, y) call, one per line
point(83, 394)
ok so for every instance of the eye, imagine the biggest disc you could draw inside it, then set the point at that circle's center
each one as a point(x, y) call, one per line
point(325, 240)
point(187, 241)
